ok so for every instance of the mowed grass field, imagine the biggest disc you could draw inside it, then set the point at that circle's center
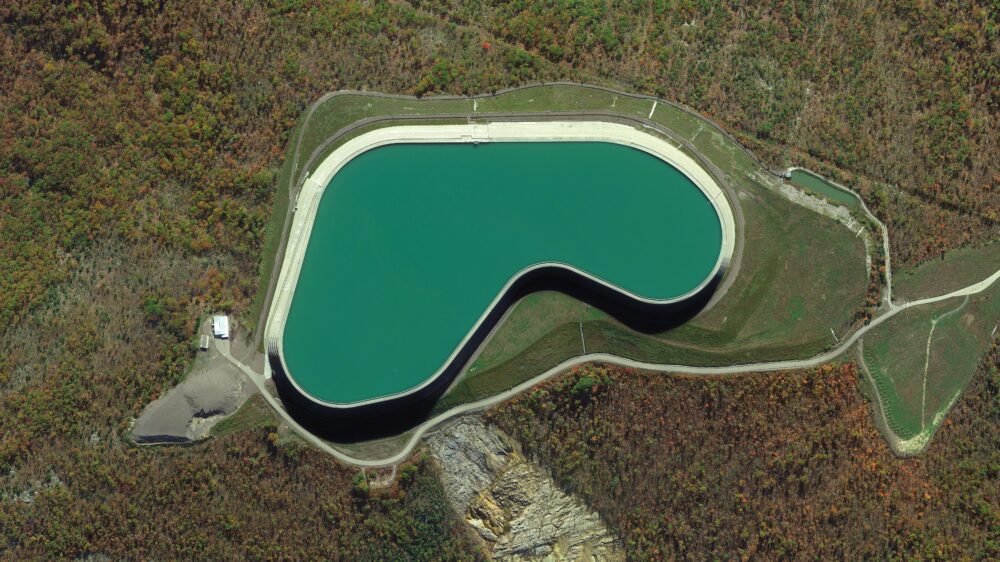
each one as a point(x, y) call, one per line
point(958, 268)
point(801, 275)
point(920, 374)
point(253, 413)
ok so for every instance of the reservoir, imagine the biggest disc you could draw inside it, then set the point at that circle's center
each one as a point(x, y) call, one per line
point(818, 185)
point(412, 243)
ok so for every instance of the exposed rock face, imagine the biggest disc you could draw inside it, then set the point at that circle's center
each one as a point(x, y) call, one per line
point(514, 506)
point(471, 455)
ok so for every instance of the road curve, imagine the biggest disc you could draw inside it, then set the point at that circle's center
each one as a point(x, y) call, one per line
point(421, 429)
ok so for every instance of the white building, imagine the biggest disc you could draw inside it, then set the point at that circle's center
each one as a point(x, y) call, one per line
point(220, 327)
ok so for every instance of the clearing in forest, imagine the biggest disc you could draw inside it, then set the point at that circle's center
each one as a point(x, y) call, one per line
point(921, 360)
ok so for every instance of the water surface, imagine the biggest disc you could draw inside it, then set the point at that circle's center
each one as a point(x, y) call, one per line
point(816, 184)
point(412, 242)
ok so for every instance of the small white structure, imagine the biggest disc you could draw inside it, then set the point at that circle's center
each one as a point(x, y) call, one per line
point(205, 340)
point(220, 327)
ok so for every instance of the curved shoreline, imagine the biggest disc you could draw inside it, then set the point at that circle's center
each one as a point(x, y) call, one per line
point(307, 203)
point(426, 426)
point(296, 179)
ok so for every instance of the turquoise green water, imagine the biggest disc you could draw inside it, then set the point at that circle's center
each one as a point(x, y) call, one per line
point(822, 187)
point(412, 242)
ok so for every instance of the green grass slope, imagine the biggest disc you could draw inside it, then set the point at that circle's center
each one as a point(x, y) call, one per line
point(919, 374)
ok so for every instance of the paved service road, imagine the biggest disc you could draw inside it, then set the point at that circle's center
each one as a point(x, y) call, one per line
point(258, 379)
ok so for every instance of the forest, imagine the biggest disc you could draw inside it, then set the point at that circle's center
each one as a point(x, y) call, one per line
point(139, 142)
point(783, 466)
point(249, 496)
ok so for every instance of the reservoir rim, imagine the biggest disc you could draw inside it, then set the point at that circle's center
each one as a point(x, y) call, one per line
point(307, 207)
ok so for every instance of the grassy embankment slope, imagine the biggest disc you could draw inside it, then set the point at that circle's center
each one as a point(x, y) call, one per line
point(920, 361)
point(954, 270)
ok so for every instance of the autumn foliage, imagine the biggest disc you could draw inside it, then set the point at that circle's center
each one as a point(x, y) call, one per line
point(243, 497)
point(139, 146)
point(768, 466)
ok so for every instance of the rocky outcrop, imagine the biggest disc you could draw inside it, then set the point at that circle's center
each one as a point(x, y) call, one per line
point(471, 455)
point(514, 506)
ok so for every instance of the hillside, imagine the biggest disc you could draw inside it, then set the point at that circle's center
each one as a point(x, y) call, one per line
point(139, 145)
point(788, 466)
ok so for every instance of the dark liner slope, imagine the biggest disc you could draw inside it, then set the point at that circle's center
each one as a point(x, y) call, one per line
point(393, 416)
